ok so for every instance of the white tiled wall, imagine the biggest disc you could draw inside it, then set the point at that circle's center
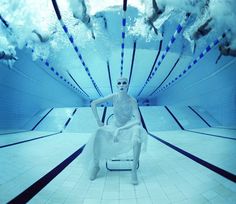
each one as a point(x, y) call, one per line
point(27, 89)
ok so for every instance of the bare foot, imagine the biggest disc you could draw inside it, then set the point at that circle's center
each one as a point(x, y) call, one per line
point(94, 172)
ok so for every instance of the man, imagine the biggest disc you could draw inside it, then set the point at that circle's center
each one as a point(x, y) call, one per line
point(157, 12)
point(227, 51)
point(9, 58)
point(124, 134)
point(83, 15)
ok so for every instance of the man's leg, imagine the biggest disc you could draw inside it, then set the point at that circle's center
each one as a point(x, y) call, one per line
point(96, 155)
point(136, 154)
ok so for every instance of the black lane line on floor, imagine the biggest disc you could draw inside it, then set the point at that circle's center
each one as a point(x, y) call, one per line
point(196, 131)
point(68, 121)
point(182, 128)
point(212, 135)
point(9, 133)
point(200, 116)
point(222, 172)
point(142, 120)
point(74, 112)
point(31, 191)
point(226, 128)
point(16, 143)
point(210, 166)
point(41, 119)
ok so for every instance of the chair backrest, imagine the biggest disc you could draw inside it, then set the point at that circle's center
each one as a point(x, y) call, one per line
point(125, 158)
point(110, 118)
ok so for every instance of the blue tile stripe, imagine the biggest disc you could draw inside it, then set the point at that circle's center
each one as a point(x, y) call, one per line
point(194, 62)
point(71, 39)
point(167, 49)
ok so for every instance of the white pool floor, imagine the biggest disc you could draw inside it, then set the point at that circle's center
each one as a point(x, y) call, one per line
point(165, 175)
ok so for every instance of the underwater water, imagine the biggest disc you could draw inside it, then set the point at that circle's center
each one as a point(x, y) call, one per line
point(57, 56)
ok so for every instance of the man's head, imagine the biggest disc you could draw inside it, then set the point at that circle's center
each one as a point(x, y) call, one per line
point(122, 84)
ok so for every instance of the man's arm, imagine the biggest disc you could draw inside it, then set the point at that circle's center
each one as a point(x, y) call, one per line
point(94, 107)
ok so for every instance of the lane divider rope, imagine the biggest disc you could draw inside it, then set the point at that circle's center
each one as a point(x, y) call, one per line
point(153, 66)
point(123, 37)
point(76, 48)
point(61, 77)
point(58, 75)
point(167, 49)
point(78, 84)
point(173, 67)
point(194, 62)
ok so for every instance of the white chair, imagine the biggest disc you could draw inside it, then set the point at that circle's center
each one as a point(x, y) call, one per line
point(122, 162)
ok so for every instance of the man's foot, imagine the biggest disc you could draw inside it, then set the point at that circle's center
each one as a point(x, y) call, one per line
point(134, 178)
point(94, 172)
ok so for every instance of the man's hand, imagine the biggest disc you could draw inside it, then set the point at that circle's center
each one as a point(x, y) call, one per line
point(115, 138)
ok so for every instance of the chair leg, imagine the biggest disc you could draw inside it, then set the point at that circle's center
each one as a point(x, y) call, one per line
point(112, 168)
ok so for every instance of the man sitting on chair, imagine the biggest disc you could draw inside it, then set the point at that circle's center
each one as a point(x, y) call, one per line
point(124, 134)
